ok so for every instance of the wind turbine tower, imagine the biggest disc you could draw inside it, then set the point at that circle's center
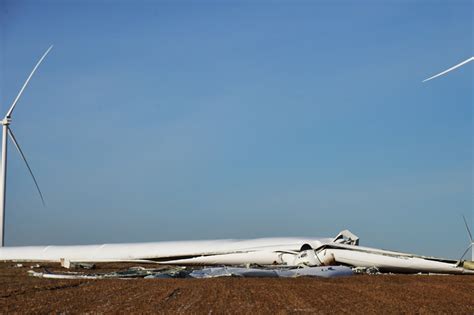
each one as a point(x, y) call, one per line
point(7, 132)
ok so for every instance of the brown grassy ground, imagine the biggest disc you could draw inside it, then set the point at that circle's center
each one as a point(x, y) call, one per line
point(21, 293)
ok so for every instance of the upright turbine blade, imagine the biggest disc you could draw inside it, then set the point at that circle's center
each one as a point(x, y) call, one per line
point(467, 228)
point(10, 133)
point(450, 69)
point(9, 113)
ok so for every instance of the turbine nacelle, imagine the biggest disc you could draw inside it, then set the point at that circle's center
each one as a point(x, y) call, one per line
point(5, 121)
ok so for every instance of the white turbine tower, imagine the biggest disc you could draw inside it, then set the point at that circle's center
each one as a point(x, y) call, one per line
point(7, 131)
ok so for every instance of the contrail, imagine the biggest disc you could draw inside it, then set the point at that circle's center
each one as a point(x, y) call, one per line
point(450, 69)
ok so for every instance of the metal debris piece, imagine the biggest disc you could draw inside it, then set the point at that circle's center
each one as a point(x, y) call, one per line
point(134, 272)
point(326, 272)
point(61, 276)
point(66, 263)
point(214, 272)
point(367, 270)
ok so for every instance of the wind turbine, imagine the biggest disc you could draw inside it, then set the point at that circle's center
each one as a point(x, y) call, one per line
point(7, 131)
point(470, 239)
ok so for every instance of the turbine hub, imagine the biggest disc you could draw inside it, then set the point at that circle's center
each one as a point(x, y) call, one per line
point(5, 121)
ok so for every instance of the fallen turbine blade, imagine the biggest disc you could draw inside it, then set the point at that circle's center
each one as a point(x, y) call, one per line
point(450, 69)
point(26, 82)
point(10, 132)
point(467, 228)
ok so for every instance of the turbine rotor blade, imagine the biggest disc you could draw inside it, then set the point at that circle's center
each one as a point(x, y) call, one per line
point(465, 252)
point(467, 228)
point(10, 133)
point(9, 113)
point(450, 69)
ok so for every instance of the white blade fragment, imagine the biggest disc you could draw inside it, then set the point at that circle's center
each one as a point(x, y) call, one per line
point(10, 132)
point(450, 69)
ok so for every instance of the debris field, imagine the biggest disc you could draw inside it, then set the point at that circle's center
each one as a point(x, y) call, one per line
point(20, 292)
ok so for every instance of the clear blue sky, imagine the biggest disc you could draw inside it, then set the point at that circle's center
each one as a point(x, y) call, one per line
point(177, 120)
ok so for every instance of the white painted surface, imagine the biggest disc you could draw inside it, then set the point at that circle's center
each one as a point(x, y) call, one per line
point(161, 250)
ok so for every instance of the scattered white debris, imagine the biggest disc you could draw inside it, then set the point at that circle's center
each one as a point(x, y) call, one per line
point(343, 250)
point(214, 272)
point(66, 263)
point(367, 270)
point(326, 272)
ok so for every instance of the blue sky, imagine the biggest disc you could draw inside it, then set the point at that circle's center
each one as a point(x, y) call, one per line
point(191, 120)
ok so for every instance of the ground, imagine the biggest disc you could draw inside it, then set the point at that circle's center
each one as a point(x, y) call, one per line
point(21, 293)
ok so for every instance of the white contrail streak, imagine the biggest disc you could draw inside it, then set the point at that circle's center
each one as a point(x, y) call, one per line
point(450, 69)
